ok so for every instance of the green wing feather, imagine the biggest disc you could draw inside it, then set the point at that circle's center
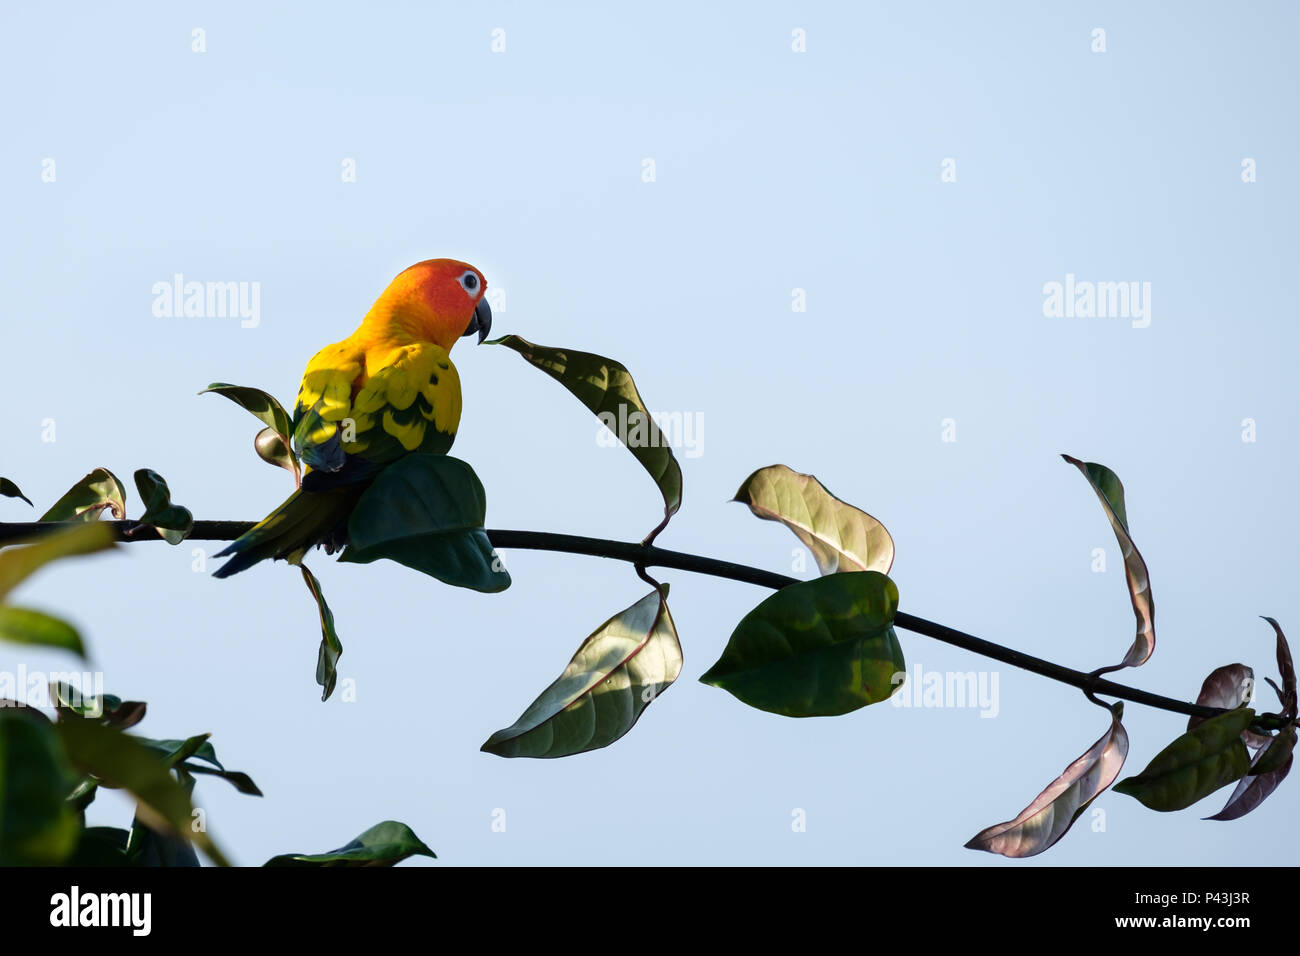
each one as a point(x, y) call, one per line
point(305, 519)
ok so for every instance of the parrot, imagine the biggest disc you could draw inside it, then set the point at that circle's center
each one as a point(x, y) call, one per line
point(387, 390)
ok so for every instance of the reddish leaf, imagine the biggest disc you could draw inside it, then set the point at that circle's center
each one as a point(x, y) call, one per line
point(1111, 492)
point(1254, 789)
point(1229, 686)
point(1054, 810)
point(1286, 668)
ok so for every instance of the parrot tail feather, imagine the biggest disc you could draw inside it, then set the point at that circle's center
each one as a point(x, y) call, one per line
point(305, 520)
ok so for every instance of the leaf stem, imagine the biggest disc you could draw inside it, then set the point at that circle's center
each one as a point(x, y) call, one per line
point(643, 555)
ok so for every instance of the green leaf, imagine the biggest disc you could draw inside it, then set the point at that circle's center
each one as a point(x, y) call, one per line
point(419, 494)
point(118, 760)
point(172, 521)
point(173, 752)
point(427, 512)
point(840, 536)
point(69, 697)
point(625, 664)
point(1054, 811)
point(10, 490)
point(1111, 493)
point(464, 559)
point(273, 449)
point(83, 794)
point(817, 648)
point(177, 754)
point(607, 389)
point(25, 626)
point(237, 779)
point(1208, 757)
point(37, 824)
point(384, 844)
point(331, 648)
point(263, 406)
point(85, 500)
point(17, 563)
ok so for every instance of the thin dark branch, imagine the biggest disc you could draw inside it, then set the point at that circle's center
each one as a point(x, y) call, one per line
point(644, 556)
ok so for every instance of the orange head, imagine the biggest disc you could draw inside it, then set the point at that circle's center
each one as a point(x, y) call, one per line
point(438, 300)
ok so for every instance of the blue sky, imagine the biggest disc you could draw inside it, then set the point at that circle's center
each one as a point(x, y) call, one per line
point(774, 171)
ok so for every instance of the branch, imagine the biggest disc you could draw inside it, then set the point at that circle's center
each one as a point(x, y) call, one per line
point(651, 556)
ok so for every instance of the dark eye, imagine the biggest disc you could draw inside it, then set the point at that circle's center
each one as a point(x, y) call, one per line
point(470, 281)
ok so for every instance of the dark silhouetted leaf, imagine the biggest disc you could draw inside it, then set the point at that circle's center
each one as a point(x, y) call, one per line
point(85, 500)
point(840, 536)
point(83, 794)
point(124, 762)
point(816, 648)
point(237, 779)
point(172, 752)
point(178, 754)
point(331, 648)
point(37, 823)
point(147, 847)
point(101, 846)
point(624, 665)
point(172, 521)
point(607, 389)
point(1195, 765)
point(16, 563)
point(9, 490)
point(426, 512)
point(384, 844)
point(1111, 492)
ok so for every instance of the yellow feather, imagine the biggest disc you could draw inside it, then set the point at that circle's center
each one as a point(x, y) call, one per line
point(409, 435)
point(387, 377)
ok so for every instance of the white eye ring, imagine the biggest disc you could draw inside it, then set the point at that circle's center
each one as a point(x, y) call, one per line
point(469, 282)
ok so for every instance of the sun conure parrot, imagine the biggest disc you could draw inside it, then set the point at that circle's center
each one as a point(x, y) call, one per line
point(387, 389)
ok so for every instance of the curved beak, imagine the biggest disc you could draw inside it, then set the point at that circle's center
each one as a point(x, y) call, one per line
point(481, 321)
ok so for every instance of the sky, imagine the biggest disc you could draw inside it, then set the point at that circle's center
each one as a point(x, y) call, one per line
point(826, 235)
